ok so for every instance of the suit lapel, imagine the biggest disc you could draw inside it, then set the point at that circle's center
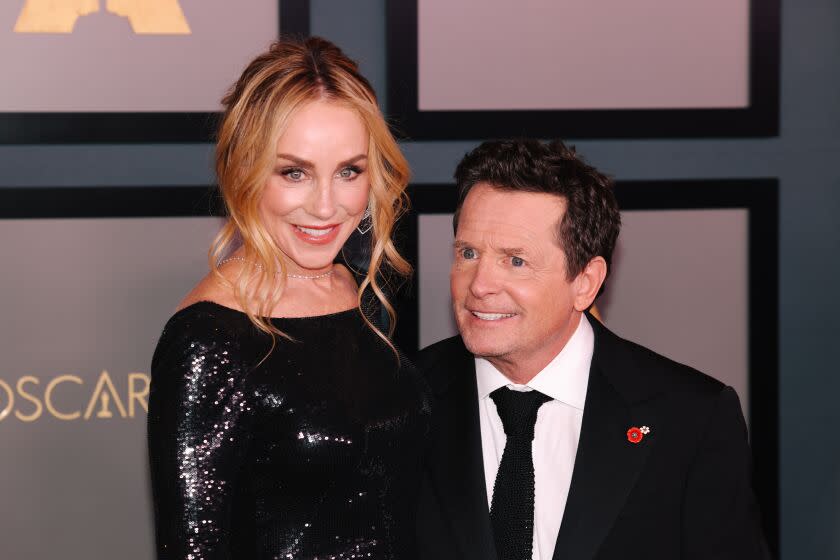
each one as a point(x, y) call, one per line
point(456, 464)
point(607, 464)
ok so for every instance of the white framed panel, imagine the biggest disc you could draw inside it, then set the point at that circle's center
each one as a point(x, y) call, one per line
point(583, 69)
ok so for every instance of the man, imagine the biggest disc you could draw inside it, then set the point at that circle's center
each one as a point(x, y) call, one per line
point(552, 437)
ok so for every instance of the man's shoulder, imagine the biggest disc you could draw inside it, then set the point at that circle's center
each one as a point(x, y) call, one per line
point(643, 369)
point(444, 349)
point(437, 361)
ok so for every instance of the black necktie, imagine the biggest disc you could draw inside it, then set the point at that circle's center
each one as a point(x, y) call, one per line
point(512, 508)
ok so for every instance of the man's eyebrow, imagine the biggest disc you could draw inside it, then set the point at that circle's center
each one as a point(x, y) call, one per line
point(459, 244)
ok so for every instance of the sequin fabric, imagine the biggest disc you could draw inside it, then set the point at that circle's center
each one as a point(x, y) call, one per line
point(311, 453)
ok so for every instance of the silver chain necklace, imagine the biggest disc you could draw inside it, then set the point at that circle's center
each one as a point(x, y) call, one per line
point(301, 276)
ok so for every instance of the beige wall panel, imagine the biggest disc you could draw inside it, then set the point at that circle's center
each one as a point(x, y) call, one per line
point(582, 54)
point(82, 297)
point(146, 62)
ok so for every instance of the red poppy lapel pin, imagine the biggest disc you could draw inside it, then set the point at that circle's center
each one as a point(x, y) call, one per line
point(635, 435)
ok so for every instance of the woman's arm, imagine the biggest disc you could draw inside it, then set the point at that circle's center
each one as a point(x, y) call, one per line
point(197, 433)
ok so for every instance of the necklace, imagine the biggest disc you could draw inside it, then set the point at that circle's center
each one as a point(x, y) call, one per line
point(301, 276)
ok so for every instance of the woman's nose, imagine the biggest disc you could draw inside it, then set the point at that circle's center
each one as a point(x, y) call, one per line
point(322, 203)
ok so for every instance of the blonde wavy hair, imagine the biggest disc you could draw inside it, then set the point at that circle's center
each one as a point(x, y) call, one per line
point(257, 110)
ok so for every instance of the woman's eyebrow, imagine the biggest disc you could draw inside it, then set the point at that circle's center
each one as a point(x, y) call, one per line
point(352, 160)
point(309, 165)
point(296, 160)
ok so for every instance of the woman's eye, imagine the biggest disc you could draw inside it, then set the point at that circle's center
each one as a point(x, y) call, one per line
point(468, 253)
point(517, 261)
point(293, 174)
point(349, 173)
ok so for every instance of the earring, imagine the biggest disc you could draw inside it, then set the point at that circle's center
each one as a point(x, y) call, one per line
point(366, 223)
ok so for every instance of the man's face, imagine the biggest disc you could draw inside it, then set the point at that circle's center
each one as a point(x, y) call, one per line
point(513, 302)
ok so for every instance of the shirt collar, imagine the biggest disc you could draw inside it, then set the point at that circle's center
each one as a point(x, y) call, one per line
point(564, 378)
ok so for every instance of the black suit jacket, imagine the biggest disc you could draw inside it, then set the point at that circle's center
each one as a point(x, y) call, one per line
point(683, 492)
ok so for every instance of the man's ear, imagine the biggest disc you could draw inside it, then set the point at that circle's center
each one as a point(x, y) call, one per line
point(588, 283)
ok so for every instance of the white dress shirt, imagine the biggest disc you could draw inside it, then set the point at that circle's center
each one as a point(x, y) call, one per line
point(556, 433)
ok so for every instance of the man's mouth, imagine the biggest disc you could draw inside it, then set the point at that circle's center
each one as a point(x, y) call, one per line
point(492, 316)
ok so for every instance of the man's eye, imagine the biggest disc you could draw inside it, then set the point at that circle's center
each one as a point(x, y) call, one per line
point(468, 253)
point(517, 261)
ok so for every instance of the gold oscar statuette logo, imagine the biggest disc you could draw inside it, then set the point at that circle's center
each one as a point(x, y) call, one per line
point(105, 411)
point(147, 17)
point(30, 397)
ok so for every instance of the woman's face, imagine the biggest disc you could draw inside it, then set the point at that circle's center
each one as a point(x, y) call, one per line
point(318, 190)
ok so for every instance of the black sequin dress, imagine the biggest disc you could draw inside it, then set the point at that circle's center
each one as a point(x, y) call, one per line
point(312, 453)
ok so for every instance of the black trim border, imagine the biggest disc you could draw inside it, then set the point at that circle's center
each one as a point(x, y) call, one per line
point(760, 197)
point(133, 127)
point(18, 203)
point(759, 119)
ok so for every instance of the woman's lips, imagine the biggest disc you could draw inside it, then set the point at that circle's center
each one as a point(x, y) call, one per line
point(316, 235)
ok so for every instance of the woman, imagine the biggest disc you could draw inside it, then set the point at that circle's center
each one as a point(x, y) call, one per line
point(282, 423)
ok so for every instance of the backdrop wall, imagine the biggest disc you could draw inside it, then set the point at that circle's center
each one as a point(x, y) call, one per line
point(804, 158)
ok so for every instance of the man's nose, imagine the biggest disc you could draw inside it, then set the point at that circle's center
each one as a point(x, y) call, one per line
point(322, 202)
point(485, 280)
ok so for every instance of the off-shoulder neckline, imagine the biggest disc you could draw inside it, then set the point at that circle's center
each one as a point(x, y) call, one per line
point(225, 308)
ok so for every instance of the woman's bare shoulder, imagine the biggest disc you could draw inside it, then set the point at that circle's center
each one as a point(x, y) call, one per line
point(210, 288)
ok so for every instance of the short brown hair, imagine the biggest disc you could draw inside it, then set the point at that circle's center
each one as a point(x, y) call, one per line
point(591, 223)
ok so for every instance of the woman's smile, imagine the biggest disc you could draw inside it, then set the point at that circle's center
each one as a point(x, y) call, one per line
point(316, 235)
